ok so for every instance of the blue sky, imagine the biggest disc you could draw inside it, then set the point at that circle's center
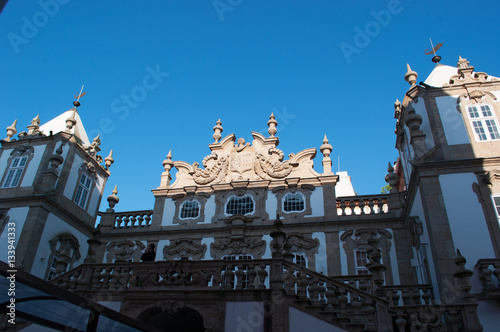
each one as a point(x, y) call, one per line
point(238, 60)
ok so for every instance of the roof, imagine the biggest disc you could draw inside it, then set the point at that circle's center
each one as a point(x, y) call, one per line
point(441, 75)
point(58, 124)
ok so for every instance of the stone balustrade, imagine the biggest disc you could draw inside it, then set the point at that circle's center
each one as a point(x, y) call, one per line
point(362, 205)
point(133, 219)
point(250, 274)
point(489, 274)
point(407, 295)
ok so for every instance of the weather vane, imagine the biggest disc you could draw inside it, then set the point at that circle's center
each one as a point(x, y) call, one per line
point(435, 58)
point(76, 103)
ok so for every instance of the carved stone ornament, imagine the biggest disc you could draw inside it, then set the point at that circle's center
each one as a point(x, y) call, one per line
point(241, 161)
point(302, 244)
point(425, 320)
point(238, 245)
point(466, 74)
point(185, 248)
point(124, 251)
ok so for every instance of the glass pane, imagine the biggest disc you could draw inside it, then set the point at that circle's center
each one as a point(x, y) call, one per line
point(492, 129)
point(478, 128)
point(473, 113)
point(486, 110)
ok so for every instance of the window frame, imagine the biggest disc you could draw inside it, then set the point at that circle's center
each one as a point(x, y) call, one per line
point(84, 189)
point(360, 268)
point(16, 170)
point(189, 217)
point(239, 198)
point(303, 259)
point(496, 206)
point(297, 193)
point(481, 125)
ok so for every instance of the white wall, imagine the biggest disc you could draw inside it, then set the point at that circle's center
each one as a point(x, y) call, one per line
point(73, 177)
point(209, 209)
point(418, 211)
point(3, 161)
point(466, 217)
point(208, 241)
point(300, 321)
point(168, 212)
point(452, 120)
point(96, 195)
point(53, 227)
point(18, 216)
point(33, 165)
point(271, 204)
point(245, 317)
point(317, 206)
point(159, 249)
point(343, 257)
point(320, 257)
point(268, 253)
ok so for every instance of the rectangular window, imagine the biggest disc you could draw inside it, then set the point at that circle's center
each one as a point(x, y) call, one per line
point(15, 172)
point(300, 260)
point(496, 203)
point(82, 192)
point(360, 260)
point(422, 262)
point(484, 123)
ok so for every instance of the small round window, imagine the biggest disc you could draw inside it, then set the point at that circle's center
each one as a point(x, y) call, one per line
point(294, 202)
point(239, 205)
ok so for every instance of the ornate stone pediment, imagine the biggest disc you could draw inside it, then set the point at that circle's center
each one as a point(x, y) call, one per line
point(185, 248)
point(236, 160)
point(238, 245)
point(124, 251)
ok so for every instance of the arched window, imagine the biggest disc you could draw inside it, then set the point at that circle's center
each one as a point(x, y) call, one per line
point(483, 121)
point(240, 205)
point(190, 210)
point(294, 202)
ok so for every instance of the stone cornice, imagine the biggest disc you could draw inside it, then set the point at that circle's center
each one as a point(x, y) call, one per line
point(267, 184)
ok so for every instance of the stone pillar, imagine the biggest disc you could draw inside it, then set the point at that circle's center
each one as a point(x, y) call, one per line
point(440, 237)
point(333, 253)
point(29, 240)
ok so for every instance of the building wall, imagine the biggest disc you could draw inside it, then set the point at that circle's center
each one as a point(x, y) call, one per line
point(18, 216)
point(53, 227)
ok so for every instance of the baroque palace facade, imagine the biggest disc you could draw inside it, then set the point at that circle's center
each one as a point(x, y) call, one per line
point(254, 241)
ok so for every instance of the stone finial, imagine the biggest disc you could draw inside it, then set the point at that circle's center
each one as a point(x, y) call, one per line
point(167, 164)
point(272, 123)
point(97, 140)
point(392, 179)
point(217, 131)
point(462, 63)
point(109, 160)
point(113, 199)
point(11, 131)
point(56, 159)
point(34, 127)
point(410, 76)
point(70, 122)
point(397, 109)
point(326, 148)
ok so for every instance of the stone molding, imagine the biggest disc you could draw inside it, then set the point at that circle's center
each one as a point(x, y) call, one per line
point(236, 160)
point(124, 251)
point(191, 248)
point(238, 245)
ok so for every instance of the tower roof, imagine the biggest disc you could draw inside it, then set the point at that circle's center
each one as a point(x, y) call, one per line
point(58, 124)
point(440, 75)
